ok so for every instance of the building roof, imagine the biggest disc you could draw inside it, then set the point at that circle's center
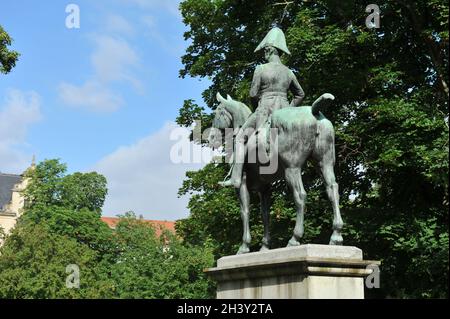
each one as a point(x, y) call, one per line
point(159, 225)
point(7, 183)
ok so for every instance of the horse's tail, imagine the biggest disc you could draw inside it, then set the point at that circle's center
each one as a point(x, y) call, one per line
point(321, 102)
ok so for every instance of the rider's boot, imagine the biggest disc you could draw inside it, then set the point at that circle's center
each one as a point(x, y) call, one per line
point(236, 176)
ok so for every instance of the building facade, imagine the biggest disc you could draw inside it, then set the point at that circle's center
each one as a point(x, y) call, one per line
point(11, 200)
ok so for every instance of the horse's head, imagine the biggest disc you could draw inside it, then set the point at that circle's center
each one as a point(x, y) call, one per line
point(230, 114)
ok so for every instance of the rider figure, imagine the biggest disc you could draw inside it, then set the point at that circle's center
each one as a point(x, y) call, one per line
point(269, 92)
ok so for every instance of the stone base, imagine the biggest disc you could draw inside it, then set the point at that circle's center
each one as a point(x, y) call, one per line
point(302, 272)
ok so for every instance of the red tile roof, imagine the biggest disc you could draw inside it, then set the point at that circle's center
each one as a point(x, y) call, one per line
point(159, 225)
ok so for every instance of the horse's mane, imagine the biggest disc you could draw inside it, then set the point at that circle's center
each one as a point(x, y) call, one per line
point(239, 111)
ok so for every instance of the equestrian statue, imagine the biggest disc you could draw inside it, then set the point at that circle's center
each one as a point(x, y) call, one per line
point(281, 133)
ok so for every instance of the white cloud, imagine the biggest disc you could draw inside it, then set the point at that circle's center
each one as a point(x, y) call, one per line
point(18, 112)
point(91, 96)
point(143, 178)
point(118, 25)
point(113, 60)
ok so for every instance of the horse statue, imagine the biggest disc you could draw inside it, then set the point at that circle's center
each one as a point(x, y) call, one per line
point(301, 133)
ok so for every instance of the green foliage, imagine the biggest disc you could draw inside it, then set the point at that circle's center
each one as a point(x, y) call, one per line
point(8, 58)
point(84, 190)
point(390, 116)
point(33, 265)
point(49, 185)
point(84, 226)
point(61, 226)
point(148, 267)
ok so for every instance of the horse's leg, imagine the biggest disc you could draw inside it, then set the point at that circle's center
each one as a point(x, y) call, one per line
point(264, 196)
point(327, 168)
point(244, 198)
point(294, 179)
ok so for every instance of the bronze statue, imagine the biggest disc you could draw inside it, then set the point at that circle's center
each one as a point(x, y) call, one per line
point(269, 92)
point(301, 133)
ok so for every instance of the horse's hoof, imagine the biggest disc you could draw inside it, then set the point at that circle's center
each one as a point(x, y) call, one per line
point(244, 249)
point(293, 242)
point(264, 248)
point(336, 240)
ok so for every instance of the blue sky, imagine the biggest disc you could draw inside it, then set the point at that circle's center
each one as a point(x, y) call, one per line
point(102, 97)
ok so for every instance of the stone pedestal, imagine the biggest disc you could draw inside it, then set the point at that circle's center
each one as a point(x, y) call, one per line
point(302, 272)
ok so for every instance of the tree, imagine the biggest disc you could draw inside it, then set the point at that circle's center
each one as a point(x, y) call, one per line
point(33, 264)
point(151, 267)
point(61, 226)
point(390, 115)
point(8, 58)
point(68, 205)
point(49, 185)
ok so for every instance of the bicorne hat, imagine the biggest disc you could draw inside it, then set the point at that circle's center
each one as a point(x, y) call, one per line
point(274, 38)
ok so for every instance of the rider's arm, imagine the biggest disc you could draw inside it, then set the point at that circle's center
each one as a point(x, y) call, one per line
point(254, 90)
point(296, 90)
